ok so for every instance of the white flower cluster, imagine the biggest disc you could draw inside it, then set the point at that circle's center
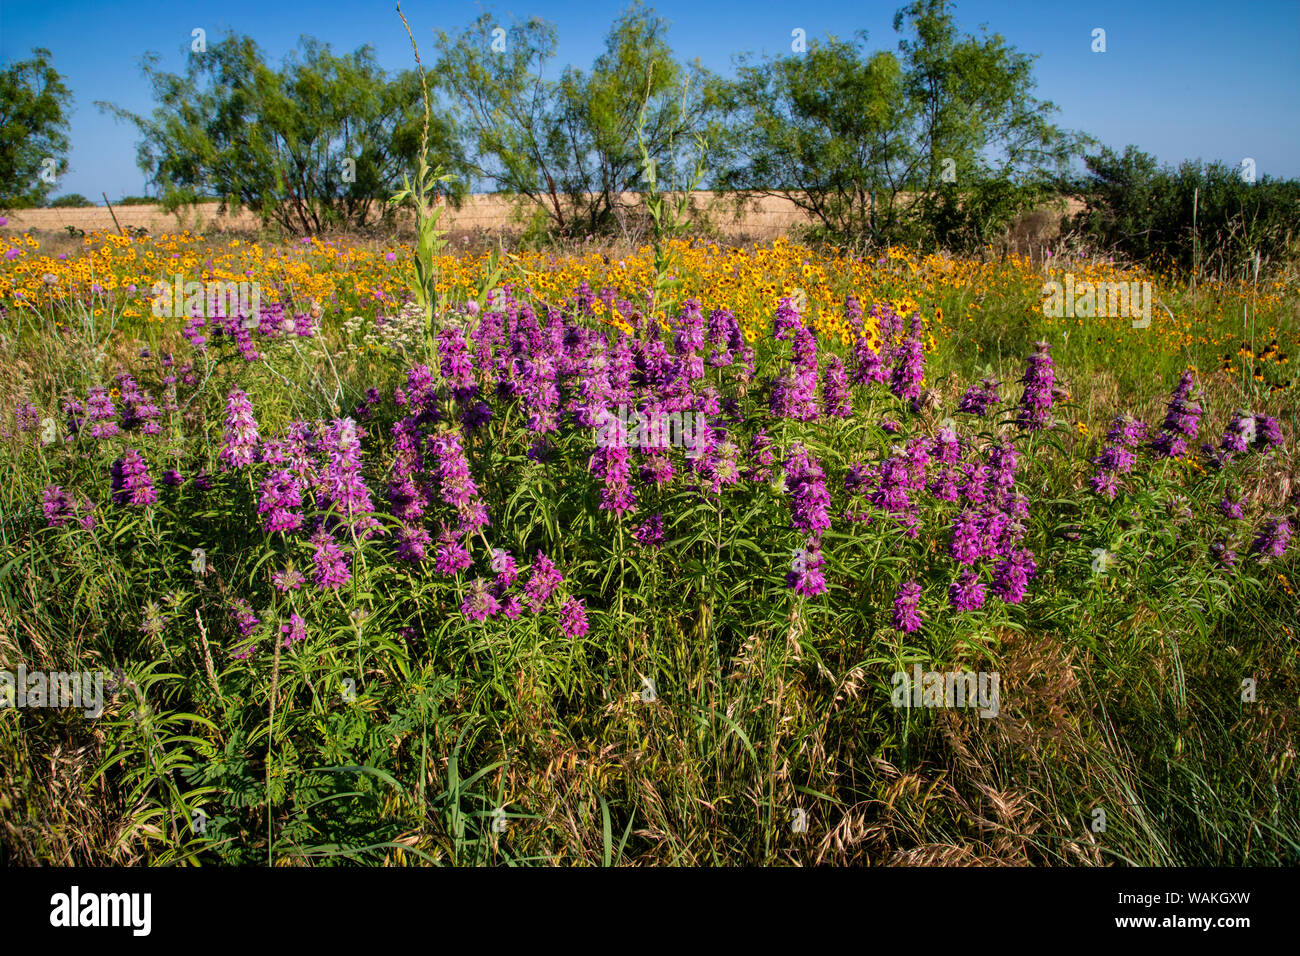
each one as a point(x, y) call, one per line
point(402, 332)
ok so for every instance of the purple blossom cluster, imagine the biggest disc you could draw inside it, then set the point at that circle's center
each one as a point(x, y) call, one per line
point(1273, 538)
point(1118, 455)
point(60, 508)
point(330, 564)
point(131, 482)
point(102, 413)
point(1182, 418)
point(239, 446)
point(907, 603)
point(980, 398)
point(805, 576)
point(1037, 398)
point(342, 489)
point(809, 499)
point(794, 391)
point(543, 578)
point(281, 497)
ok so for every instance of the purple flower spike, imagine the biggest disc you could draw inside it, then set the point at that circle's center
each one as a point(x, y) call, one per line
point(573, 618)
point(131, 483)
point(809, 498)
point(1036, 400)
point(543, 579)
point(331, 565)
point(479, 603)
point(1273, 538)
point(967, 592)
point(239, 447)
point(805, 576)
point(1182, 416)
point(907, 617)
point(295, 630)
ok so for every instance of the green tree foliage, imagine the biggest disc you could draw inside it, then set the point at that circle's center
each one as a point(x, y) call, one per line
point(941, 143)
point(34, 106)
point(1202, 217)
point(320, 142)
point(569, 144)
point(822, 130)
point(71, 201)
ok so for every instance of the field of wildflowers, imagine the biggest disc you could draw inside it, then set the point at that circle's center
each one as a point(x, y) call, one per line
point(371, 588)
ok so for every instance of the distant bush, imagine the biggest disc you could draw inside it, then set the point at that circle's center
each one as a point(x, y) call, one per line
point(1196, 217)
point(70, 201)
point(135, 201)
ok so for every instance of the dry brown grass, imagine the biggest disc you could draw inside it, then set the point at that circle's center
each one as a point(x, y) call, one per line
point(483, 216)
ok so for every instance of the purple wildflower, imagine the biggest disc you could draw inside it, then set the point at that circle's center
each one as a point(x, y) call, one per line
point(73, 409)
point(1036, 400)
point(611, 463)
point(479, 603)
point(908, 370)
point(245, 620)
point(573, 618)
point(978, 399)
point(1267, 432)
point(413, 542)
point(836, 401)
point(1117, 455)
point(290, 579)
point(650, 533)
point(1233, 509)
point(455, 483)
point(452, 556)
point(866, 365)
point(503, 564)
point(26, 417)
point(543, 579)
point(760, 457)
point(809, 498)
point(455, 364)
point(295, 630)
point(239, 447)
point(281, 494)
point(805, 576)
point(330, 562)
point(57, 505)
point(102, 413)
point(1181, 419)
point(1272, 539)
point(342, 486)
point(907, 618)
point(946, 448)
point(1240, 433)
point(1011, 576)
point(967, 592)
point(1223, 556)
point(131, 483)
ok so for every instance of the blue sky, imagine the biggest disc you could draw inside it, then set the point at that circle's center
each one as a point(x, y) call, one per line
point(1185, 79)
